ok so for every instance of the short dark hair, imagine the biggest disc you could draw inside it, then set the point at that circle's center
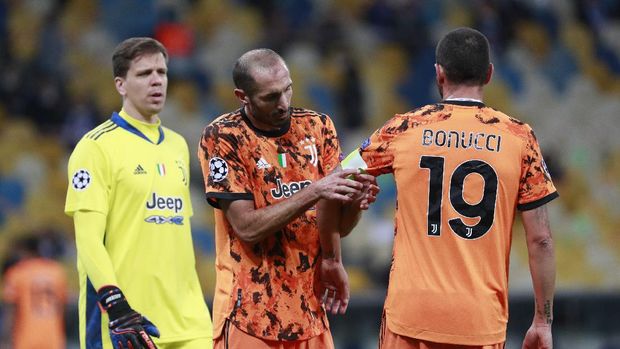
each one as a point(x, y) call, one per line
point(131, 48)
point(464, 55)
point(29, 244)
point(261, 58)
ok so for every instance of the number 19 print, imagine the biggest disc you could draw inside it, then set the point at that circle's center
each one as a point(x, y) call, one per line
point(484, 209)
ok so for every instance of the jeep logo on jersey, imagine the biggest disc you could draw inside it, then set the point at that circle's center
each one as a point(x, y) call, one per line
point(288, 189)
point(163, 203)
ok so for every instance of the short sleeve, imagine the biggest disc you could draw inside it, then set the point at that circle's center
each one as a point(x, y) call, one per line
point(224, 173)
point(377, 151)
point(89, 179)
point(331, 147)
point(535, 185)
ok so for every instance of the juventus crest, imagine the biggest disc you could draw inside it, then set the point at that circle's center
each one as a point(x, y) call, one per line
point(310, 145)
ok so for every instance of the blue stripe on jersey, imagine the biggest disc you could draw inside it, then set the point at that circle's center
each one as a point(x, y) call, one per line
point(117, 119)
point(93, 318)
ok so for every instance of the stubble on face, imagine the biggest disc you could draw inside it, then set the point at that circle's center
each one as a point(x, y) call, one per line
point(270, 101)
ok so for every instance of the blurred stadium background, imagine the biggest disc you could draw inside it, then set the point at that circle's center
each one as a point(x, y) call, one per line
point(557, 67)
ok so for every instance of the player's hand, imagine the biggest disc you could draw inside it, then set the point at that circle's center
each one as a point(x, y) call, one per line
point(336, 186)
point(538, 336)
point(128, 328)
point(369, 191)
point(133, 331)
point(334, 286)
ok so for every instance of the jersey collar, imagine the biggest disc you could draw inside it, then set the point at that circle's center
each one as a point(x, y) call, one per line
point(275, 133)
point(466, 102)
point(124, 124)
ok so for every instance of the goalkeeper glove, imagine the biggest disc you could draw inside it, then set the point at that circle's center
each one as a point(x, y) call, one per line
point(128, 329)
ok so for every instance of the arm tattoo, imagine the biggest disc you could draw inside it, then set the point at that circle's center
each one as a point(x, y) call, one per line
point(548, 312)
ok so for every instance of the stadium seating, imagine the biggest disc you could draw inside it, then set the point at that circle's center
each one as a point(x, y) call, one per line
point(555, 69)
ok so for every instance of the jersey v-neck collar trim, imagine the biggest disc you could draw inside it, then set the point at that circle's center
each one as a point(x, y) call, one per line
point(124, 124)
point(275, 133)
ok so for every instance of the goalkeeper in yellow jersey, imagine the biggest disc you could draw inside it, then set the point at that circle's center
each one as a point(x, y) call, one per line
point(129, 198)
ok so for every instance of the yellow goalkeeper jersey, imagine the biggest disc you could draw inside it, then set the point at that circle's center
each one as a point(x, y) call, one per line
point(142, 186)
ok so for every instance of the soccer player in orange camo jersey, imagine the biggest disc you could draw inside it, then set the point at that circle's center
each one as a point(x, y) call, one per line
point(265, 167)
point(34, 291)
point(461, 169)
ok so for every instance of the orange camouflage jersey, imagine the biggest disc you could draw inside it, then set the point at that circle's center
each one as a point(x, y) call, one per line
point(38, 288)
point(461, 169)
point(267, 289)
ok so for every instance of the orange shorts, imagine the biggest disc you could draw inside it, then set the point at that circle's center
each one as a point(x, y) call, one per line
point(237, 339)
point(389, 340)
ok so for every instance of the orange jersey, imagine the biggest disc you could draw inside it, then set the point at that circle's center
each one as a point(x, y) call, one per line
point(461, 169)
point(267, 289)
point(38, 288)
point(236, 338)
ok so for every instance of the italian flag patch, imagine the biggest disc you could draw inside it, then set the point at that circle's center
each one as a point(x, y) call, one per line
point(161, 169)
point(282, 159)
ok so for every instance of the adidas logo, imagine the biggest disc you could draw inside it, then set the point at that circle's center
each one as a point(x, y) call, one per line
point(139, 170)
point(262, 164)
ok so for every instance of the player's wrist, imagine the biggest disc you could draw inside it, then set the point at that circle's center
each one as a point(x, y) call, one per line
point(113, 301)
point(316, 192)
point(331, 256)
point(547, 322)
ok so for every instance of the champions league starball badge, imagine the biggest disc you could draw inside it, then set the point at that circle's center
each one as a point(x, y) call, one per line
point(81, 179)
point(365, 144)
point(218, 169)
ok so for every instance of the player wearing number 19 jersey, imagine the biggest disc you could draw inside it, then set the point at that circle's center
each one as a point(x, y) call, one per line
point(469, 164)
point(461, 169)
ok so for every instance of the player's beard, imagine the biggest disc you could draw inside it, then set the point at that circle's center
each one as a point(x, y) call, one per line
point(281, 118)
point(270, 119)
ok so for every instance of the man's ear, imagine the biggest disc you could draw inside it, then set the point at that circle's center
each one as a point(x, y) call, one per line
point(489, 74)
point(242, 96)
point(440, 74)
point(120, 86)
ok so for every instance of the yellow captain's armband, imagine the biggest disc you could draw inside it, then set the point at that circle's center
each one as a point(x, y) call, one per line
point(354, 161)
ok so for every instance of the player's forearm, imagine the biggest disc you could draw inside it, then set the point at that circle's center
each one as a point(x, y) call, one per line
point(542, 262)
point(89, 231)
point(329, 222)
point(351, 215)
point(256, 225)
point(542, 268)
